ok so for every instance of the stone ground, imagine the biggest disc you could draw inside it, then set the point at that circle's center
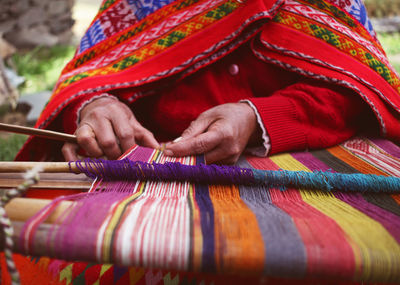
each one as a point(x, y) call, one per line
point(83, 14)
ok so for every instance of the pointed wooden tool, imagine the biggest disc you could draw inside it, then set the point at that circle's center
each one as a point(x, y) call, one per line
point(38, 132)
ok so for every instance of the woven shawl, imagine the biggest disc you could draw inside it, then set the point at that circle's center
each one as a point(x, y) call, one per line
point(143, 44)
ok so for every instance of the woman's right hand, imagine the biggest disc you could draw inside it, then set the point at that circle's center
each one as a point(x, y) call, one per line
point(107, 128)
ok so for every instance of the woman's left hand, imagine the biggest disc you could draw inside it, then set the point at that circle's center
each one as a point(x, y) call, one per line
point(221, 133)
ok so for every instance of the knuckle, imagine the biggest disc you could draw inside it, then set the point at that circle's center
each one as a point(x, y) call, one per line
point(108, 143)
point(125, 134)
point(140, 133)
point(97, 114)
point(84, 139)
point(235, 149)
point(227, 135)
point(113, 106)
point(190, 129)
point(200, 146)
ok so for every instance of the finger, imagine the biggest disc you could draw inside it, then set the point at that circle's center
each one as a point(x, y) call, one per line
point(198, 126)
point(218, 155)
point(87, 140)
point(69, 151)
point(124, 132)
point(198, 145)
point(146, 138)
point(107, 139)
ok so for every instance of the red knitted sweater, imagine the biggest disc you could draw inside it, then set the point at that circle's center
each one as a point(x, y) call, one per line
point(295, 112)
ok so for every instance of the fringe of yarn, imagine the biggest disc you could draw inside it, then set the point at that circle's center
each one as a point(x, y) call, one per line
point(213, 174)
point(31, 178)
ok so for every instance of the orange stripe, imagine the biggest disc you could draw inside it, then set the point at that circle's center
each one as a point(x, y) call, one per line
point(354, 161)
point(197, 234)
point(238, 242)
point(396, 198)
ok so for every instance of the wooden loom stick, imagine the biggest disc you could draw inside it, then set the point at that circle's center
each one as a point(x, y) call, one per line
point(23, 166)
point(48, 181)
point(21, 209)
point(38, 132)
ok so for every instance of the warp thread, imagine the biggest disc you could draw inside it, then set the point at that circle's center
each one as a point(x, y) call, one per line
point(126, 169)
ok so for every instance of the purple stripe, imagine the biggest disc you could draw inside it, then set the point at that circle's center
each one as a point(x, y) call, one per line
point(76, 237)
point(387, 146)
point(206, 209)
point(309, 161)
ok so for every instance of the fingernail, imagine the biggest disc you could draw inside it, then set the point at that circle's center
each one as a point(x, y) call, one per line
point(177, 139)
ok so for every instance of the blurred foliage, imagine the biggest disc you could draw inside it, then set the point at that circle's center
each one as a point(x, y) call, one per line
point(383, 8)
point(391, 44)
point(41, 67)
point(10, 145)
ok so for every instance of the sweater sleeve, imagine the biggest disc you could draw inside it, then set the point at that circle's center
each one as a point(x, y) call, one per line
point(310, 114)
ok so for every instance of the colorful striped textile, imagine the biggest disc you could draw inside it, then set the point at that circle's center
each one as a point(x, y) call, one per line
point(230, 230)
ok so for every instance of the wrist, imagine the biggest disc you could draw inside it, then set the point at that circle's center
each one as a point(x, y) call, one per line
point(255, 137)
point(101, 99)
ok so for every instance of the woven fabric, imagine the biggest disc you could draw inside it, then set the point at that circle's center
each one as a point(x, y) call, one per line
point(232, 230)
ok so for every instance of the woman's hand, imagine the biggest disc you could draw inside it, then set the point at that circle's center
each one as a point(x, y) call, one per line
point(108, 127)
point(221, 133)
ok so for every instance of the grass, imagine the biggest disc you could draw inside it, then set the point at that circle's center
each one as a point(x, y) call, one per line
point(10, 145)
point(391, 44)
point(41, 67)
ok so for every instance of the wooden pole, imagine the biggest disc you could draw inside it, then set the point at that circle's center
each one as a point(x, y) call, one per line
point(23, 166)
point(21, 209)
point(8, 183)
point(38, 132)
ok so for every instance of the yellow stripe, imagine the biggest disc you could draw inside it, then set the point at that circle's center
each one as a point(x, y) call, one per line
point(114, 221)
point(104, 269)
point(119, 212)
point(377, 254)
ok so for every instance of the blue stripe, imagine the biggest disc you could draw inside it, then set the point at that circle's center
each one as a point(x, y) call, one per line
point(143, 8)
point(203, 201)
point(93, 36)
